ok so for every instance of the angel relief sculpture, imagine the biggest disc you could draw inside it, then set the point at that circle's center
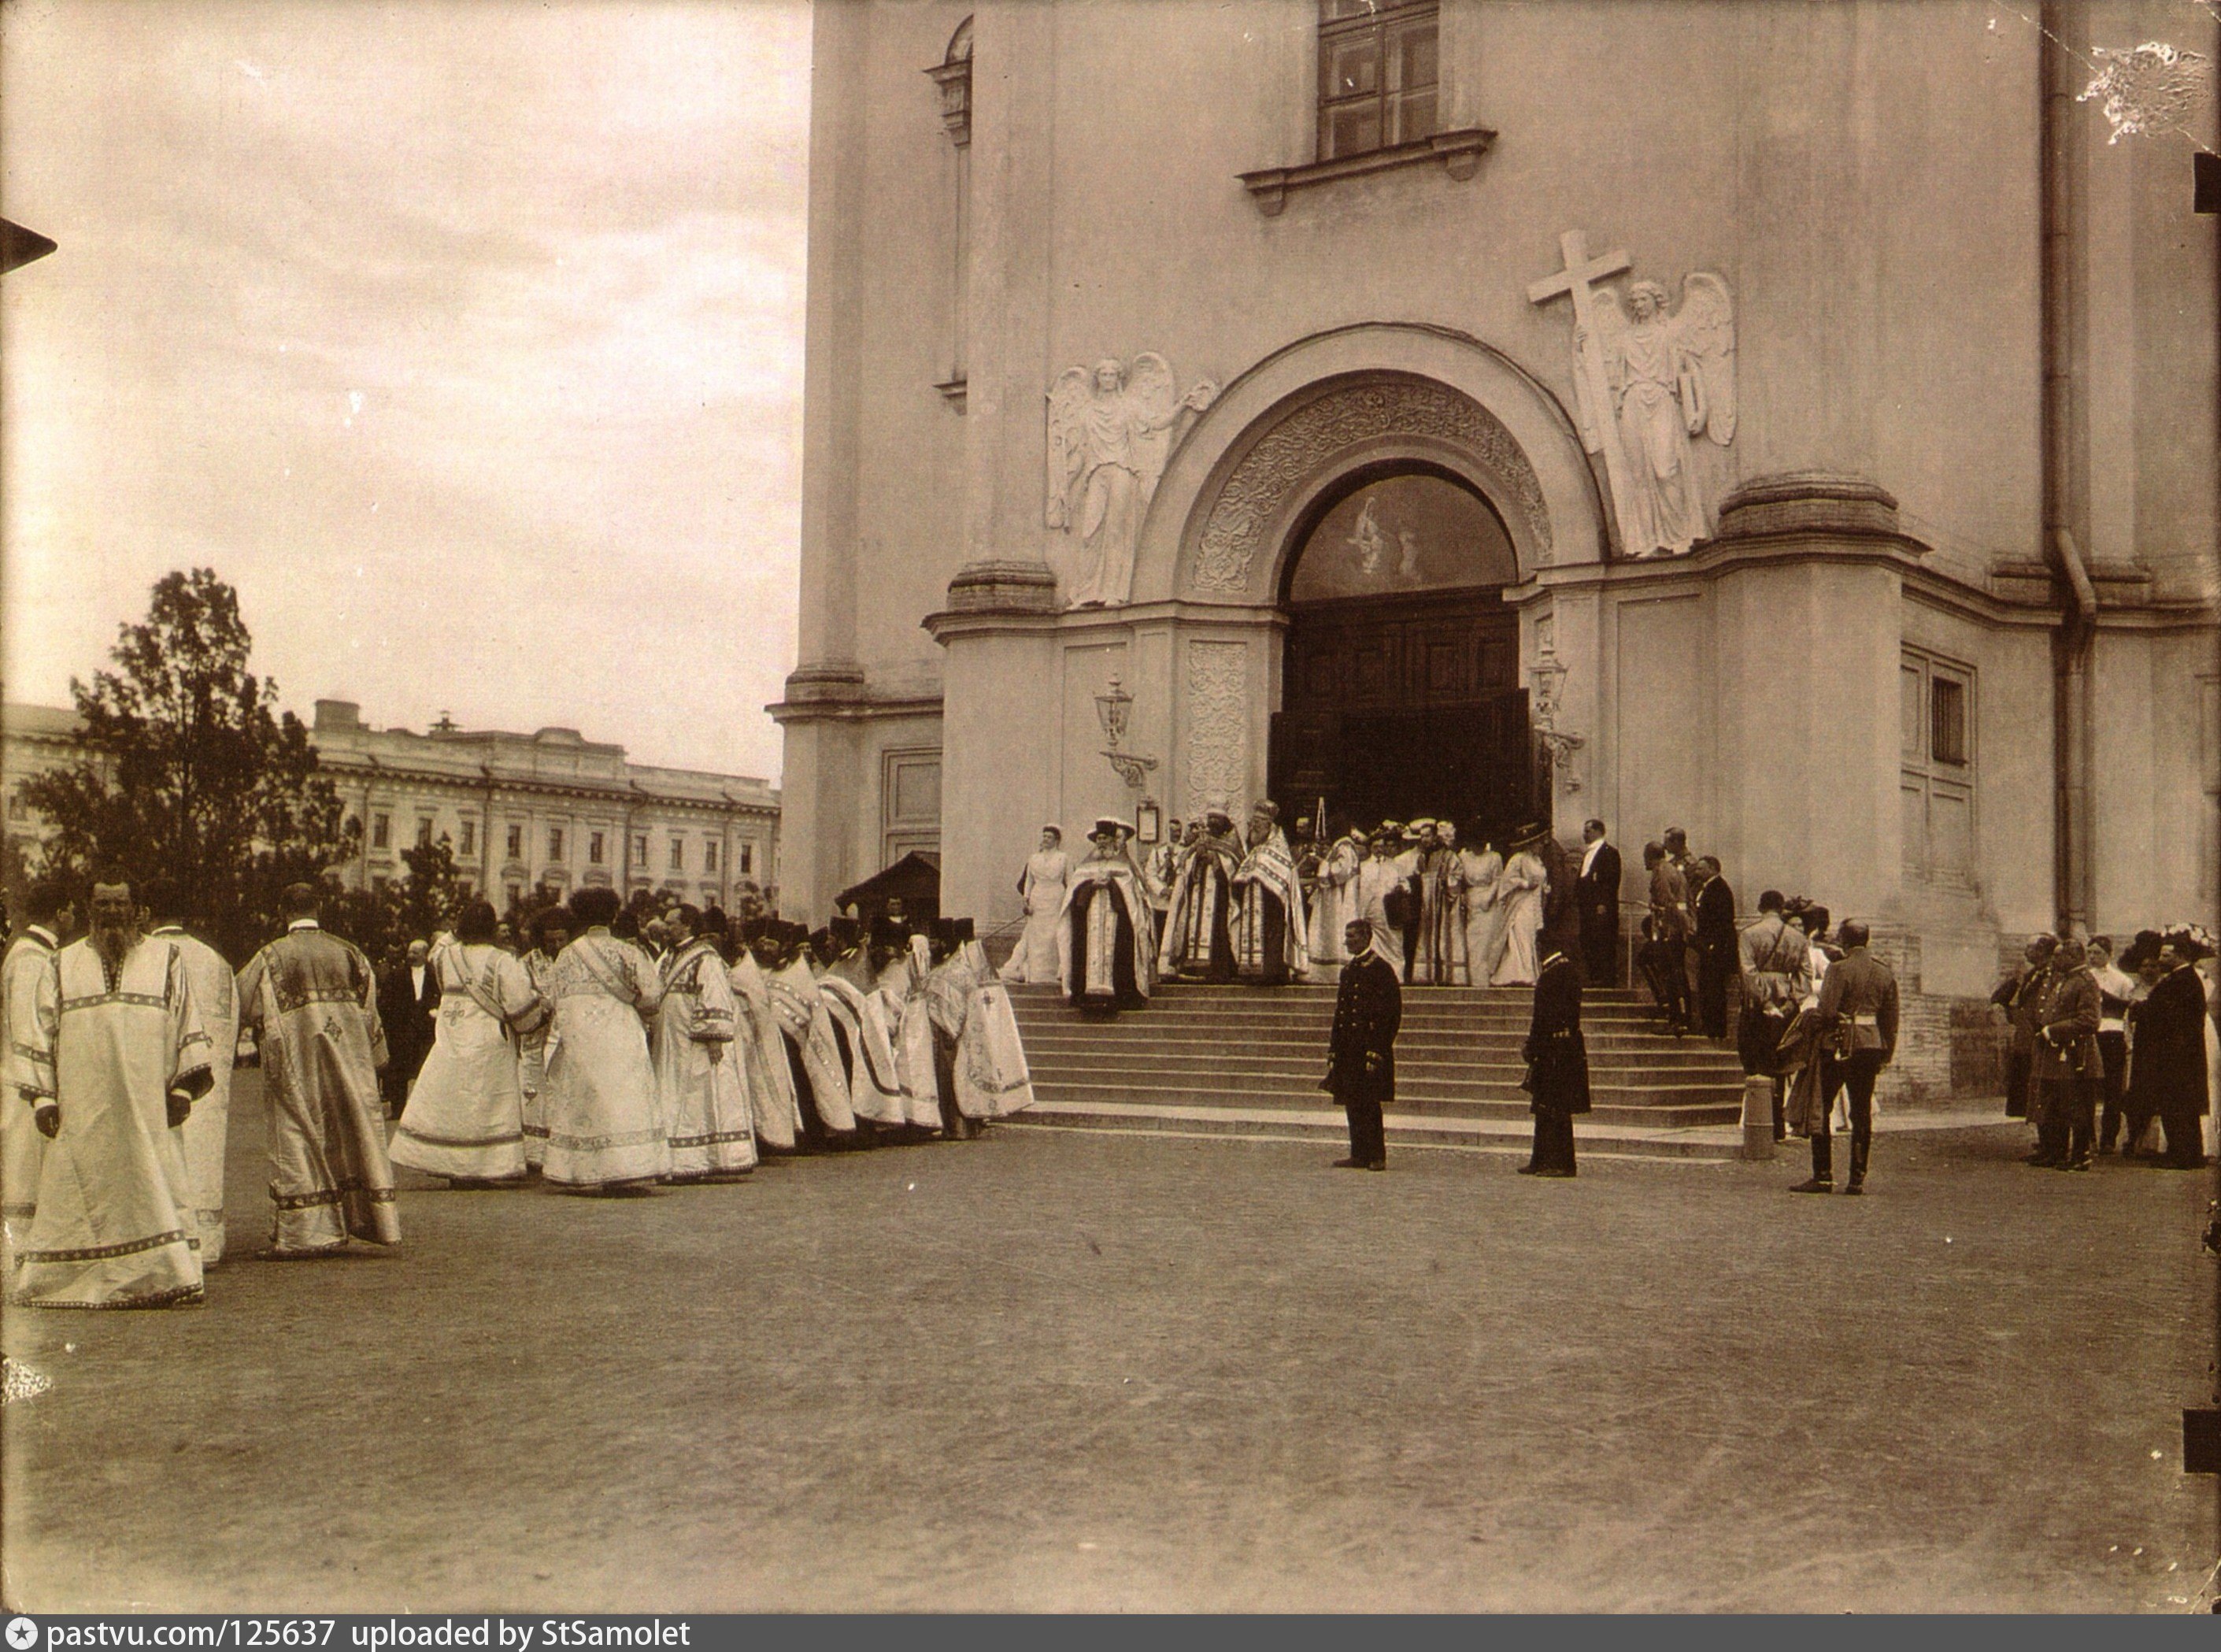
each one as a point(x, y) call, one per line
point(1109, 432)
point(1670, 379)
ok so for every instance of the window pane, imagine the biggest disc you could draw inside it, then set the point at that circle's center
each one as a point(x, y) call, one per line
point(1415, 117)
point(1352, 130)
point(1352, 67)
point(1946, 732)
point(1412, 55)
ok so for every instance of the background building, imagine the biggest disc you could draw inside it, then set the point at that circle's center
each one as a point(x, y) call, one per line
point(1263, 362)
point(520, 812)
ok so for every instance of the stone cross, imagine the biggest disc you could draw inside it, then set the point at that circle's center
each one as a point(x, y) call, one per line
point(1593, 389)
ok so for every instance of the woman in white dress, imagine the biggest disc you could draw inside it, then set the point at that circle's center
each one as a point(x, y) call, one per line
point(603, 1133)
point(1484, 911)
point(1519, 893)
point(465, 1119)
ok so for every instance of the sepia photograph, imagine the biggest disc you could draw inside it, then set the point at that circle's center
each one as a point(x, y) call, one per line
point(1105, 806)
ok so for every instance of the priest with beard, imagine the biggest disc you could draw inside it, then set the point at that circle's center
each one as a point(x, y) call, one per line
point(1270, 937)
point(207, 1130)
point(312, 999)
point(700, 1096)
point(1104, 955)
point(1198, 925)
point(110, 1062)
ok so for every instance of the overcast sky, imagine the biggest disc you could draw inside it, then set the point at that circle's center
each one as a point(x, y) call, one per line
point(463, 337)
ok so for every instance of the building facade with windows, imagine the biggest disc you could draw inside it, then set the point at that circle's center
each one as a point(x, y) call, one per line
point(1795, 424)
point(520, 812)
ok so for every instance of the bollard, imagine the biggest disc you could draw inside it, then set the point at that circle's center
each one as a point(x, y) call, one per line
point(1757, 1118)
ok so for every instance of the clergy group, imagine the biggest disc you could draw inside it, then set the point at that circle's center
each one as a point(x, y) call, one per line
point(592, 1065)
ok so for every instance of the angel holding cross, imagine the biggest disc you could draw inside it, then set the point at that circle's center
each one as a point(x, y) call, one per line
point(1671, 379)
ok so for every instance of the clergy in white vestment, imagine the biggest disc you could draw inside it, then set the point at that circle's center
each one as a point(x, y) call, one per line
point(1105, 961)
point(30, 955)
point(1334, 903)
point(110, 1062)
point(313, 1000)
point(1161, 870)
point(1484, 911)
point(948, 988)
point(207, 1129)
point(1520, 891)
point(903, 964)
point(821, 1088)
point(992, 1078)
point(1383, 874)
point(1199, 921)
point(761, 1047)
point(465, 1119)
point(701, 1096)
point(1439, 959)
point(604, 1132)
point(1270, 932)
point(1042, 887)
point(551, 933)
point(848, 985)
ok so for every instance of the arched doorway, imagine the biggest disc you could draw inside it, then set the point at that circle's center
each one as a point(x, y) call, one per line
point(1400, 692)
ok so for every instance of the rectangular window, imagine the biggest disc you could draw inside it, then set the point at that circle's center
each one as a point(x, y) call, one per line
point(910, 803)
point(677, 855)
point(1947, 721)
point(747, 859)
point(555, 842)
point(639, 850)
point(381, 831)
point(1378, 74)
point(516, 842)
point(594, 849)
point(1935, 780)
point(709, 857)
point(470, 843)
point(423, 831)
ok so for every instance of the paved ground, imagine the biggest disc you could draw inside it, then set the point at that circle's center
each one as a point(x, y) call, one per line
point(1052, 1370)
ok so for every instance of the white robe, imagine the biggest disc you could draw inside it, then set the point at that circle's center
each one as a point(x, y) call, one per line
point(599, 1102)
point(112, 1228)
point(1043, 885)
point(1484, 914)
point(992, 1078)
point(902, 998)
point(465, 1112)
point(1519, 891)
point(701, 1096)
point(1375, 879)
point(208, 1129)
point(808, 1029)
point(533, 1049)
point(874, 1086)
point(30, 956)
point(762, 1050)
point(1334, 901)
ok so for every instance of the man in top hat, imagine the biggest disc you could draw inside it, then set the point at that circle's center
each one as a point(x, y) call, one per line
point(1041, 886)
point(1198, 925)
point(1104, 956)
point(1270, 935)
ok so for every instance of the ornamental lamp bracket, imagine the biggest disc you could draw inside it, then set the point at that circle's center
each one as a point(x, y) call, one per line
point(1113, 707)
point(1546, 679)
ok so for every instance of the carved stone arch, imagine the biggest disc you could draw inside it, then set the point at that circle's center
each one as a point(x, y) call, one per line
point(1219, 526)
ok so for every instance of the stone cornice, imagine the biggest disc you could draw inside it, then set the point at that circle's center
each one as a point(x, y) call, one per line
point(951, 623)
point(1459, 154)
point(358, 773)
point(861, 707)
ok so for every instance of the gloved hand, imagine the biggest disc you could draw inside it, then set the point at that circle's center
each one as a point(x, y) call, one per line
point(49, 1117)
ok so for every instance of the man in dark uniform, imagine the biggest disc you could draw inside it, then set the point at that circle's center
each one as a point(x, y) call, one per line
point(1596, 895)
point(409, 1008)
point(1361, 1070)
point(2068, 1064)
point(2167, 1071)
point(1557, 1067)
point(1715, 913)
point(1858, 1032)
point(2021, 995)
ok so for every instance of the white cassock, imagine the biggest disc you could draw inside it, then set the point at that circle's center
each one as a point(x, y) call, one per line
point(1375, 880)
point(1484, 914)
point(315, 1000)
point(1519, 892)
point(992, 1078)
point(902, 1000)
point(30, 956)
point(1334, 903)
point(208, 1127)
point(700, 1094)
point(1043, 885)
point(533, 1050)
point(762, 1050)
point(599, 1101)
point(801, 1017)
point(465, 1111)
point(112, 1229)
point(859, 1029)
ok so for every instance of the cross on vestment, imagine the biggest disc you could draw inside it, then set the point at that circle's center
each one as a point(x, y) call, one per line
point(1591, 388)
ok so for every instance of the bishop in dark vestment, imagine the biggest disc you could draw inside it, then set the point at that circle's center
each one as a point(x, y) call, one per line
point(1362, 1052)
point(1557, 1059)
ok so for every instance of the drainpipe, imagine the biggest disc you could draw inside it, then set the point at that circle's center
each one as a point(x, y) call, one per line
point(2072, 686)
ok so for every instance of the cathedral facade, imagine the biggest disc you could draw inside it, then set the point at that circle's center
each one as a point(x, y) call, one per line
point(1794, 423)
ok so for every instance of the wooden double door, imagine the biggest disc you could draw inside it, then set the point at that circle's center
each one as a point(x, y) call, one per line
point(1398, 707)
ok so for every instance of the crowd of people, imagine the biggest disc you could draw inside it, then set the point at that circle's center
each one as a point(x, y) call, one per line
point(623, 1052)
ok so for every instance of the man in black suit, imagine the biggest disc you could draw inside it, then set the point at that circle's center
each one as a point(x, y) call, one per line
point(1557, 1068)
point(2167, 1074)
point(1596, 898)
point(1361, 1052)
point(409, 1007)
point(1716, 959)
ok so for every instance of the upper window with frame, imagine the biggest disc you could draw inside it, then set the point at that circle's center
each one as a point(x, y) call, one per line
point(1378, 72)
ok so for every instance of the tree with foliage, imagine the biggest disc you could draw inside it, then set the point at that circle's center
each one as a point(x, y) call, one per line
point(191, 773)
